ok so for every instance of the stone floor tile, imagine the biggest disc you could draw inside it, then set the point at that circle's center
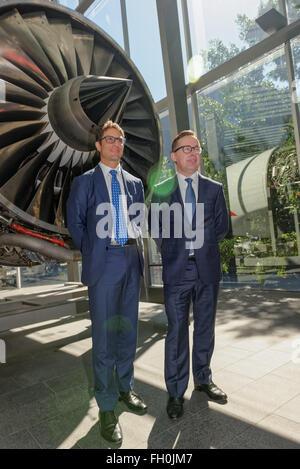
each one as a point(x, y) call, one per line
point(291, 409)
point(19, 440)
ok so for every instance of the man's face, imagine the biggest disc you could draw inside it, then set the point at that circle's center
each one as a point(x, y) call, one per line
point(111, 153)
point(187, 163)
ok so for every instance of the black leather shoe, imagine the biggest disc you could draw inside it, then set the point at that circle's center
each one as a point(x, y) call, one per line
point(175, 407)
point(212, 390)
point(133, 402)
point(110, 428)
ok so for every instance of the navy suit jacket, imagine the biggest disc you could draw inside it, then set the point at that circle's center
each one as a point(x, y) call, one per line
point(174, 250)
point(87, 192)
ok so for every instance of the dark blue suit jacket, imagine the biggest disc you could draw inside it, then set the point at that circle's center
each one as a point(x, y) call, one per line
point(87, 192)
point(173, 250)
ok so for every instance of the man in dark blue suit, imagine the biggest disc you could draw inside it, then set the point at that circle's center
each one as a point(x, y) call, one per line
point(188, 237)
point(105, 229)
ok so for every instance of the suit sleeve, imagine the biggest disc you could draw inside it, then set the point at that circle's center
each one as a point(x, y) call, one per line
point(221, 216)
point(155, 221)
point(141, 200)
point(77, 210)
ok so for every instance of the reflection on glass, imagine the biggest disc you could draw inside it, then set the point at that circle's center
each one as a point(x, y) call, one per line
point(45, 274)
point(155, 264)
point(293, 10)
point(249, 146)
point(8, 277)
point(107, 15)
point(295, 45)
point(219, 37)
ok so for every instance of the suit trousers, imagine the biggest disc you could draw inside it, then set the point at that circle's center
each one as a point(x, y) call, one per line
point(114, 315)
point(177, 355)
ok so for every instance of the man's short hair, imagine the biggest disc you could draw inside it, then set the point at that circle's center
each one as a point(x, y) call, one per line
point(109, 125)
point(183, 133)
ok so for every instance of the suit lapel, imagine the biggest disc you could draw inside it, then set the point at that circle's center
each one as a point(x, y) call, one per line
point(100, 185)
point(176, 193)
point(200, 189)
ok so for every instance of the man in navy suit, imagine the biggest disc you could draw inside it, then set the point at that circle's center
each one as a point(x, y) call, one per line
point(188, 238)
point(102, 226)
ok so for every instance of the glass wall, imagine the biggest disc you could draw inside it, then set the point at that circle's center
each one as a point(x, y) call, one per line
point(166, 170)
point(218, 37)
point(68, 3)
point(293, 10)
point(107, 15)
point(144, 43)
point(45, 274)
point(249, 145)
point(295, 44)
point(8, 277)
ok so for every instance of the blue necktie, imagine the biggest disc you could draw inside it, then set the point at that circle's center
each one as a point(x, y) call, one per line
point(190, 199)
point(121, 234)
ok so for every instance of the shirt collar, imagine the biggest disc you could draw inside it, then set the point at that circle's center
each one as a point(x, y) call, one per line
point(193, 176)
point(106, 169)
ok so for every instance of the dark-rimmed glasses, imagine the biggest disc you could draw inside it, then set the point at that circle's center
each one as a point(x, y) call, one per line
point(188, 149)
point(110, 139)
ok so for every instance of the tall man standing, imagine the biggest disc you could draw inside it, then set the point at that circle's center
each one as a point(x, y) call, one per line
point(112, 265)
point(191, 270)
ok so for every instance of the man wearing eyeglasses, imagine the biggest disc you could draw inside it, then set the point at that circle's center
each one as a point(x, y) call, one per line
point(191, 270)
point(112, 265)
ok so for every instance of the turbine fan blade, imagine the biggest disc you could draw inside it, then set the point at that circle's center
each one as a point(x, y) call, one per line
point(60, 77)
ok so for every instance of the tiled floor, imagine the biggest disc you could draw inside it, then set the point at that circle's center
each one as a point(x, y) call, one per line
point(46, 386)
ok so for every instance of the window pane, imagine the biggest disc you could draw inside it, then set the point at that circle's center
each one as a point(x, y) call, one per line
point(144, 43)
point(8, 277)
point(296, 59)
point(107, 15)
point(249, 145)
point(69, 3)
point(45, 274)
point(219, 37)
point(293, 8)
point(155, 264)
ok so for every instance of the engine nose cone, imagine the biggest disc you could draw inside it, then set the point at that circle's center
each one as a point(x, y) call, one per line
point(76, 108)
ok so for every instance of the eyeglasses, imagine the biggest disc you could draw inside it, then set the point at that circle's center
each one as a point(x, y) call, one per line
point(188, 149)
point(111, 139)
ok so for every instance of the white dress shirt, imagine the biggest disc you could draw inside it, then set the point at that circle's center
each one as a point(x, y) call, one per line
point(108, 177)
point(183, 184)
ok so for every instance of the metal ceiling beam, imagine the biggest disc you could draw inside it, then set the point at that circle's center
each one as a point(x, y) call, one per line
point(83, 6)
point(189, 53)
point(125, 27)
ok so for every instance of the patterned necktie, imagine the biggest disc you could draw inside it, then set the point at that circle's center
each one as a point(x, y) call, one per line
point(190, 199)
point(121, 234)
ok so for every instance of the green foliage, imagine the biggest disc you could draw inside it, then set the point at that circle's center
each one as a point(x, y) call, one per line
point(282, 272)
point(227, 253)
point(218, 53)
point(167, 169)
point(285, 178)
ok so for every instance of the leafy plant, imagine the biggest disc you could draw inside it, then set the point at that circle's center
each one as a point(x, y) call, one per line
point(227, 253)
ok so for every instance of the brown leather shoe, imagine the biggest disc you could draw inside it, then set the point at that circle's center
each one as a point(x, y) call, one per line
point(175, 407)
point(213, 391)
point(110, 428)
point(134, 402)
